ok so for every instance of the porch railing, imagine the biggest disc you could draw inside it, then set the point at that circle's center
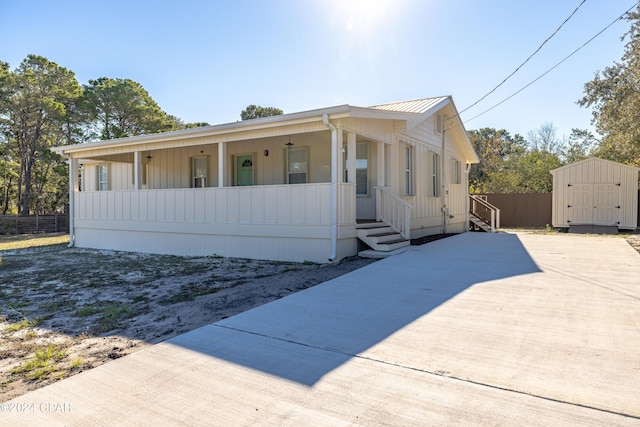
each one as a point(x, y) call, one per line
point(394, 211)
point(300, 204)
point(483, 213)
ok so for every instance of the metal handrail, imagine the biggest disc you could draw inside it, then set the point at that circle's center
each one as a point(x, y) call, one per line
point(394, 211)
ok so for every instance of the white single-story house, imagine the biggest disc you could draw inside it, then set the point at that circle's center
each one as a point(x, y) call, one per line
point(595, 192)
point(296, 187)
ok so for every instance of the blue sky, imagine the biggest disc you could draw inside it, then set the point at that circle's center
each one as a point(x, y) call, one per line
point(208, 60)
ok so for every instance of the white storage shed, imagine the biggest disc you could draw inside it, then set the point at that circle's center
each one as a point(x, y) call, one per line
point(595, 192)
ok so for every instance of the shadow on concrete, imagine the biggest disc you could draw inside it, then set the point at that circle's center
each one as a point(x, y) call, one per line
point(304, 336)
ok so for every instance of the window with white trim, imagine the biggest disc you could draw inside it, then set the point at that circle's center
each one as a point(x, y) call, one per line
point(297, 165)
point(439, 123)
point(362, 163)
point(362, 168)
point(456, 171)
point(103, 177)
point(434, 181)
point(199, 171)
point(407, 163)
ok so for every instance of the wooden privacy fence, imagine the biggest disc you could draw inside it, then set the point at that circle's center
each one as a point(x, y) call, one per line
point(25, 224)
point(522, 209)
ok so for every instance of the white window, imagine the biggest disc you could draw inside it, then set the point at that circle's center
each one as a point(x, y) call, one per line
point(200, 172)
point(407, 163)
point(456, 172)
point(439, 124)
point(362, 166)
point(434, 182)
point(297, 166)
point(103, 177)
point(362, 162)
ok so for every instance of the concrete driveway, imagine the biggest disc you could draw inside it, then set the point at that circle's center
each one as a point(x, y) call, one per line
point(476, 329)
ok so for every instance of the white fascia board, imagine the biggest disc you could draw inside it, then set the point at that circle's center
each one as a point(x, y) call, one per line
point(465, 135)
point(240, 126)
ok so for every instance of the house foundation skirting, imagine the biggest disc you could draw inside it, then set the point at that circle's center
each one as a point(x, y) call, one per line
point(296, 249)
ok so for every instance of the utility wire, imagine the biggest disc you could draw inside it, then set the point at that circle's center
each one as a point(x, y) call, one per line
point(555, 66)
point(526, 60)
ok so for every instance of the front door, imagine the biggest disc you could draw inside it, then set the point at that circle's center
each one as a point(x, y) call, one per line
point(244, 170)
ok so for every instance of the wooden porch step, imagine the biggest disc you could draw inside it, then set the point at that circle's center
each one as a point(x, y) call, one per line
point(480, 223)
point(365, 225)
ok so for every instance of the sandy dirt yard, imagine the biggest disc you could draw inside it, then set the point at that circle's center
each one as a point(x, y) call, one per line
point(63, 311)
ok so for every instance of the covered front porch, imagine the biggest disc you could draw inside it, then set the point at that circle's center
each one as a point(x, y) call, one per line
point(291, 193)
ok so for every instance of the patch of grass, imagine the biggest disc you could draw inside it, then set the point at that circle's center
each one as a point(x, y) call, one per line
point(29, 335)
point(42, 364)
point(85, 311)
point(189, 294)
point(140, 298)
point(76, 363)
point(112, 315)
point(23, 241)
point(57, 305)
point(24, 323)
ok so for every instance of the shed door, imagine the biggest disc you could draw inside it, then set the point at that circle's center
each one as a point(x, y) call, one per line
point(580, 204)
point(606, 207)
point(597, 204)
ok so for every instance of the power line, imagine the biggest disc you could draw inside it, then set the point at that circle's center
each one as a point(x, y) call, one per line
point(555, 66)
point(526, 60)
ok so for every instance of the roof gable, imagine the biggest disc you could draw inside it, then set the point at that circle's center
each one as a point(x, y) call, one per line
point(594, 160)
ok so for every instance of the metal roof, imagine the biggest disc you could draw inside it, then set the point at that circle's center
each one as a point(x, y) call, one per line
point(419, 106)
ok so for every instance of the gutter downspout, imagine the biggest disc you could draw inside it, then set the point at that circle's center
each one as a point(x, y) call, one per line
point(443, 201)
point(72, 171)
point(334, 187)
point(467, 169)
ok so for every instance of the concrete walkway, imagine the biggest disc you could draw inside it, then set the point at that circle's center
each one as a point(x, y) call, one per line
point(477, 329)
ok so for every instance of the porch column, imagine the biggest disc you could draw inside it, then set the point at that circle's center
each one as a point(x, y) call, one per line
point(73, 188)
point(381, 172)
point(73, 177)
point(137, 170)
point(351, 157)
point(222, 157)
point(340, 166)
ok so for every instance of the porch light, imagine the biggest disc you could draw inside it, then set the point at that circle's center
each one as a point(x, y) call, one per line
point(149, 158)
point(289, 144)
